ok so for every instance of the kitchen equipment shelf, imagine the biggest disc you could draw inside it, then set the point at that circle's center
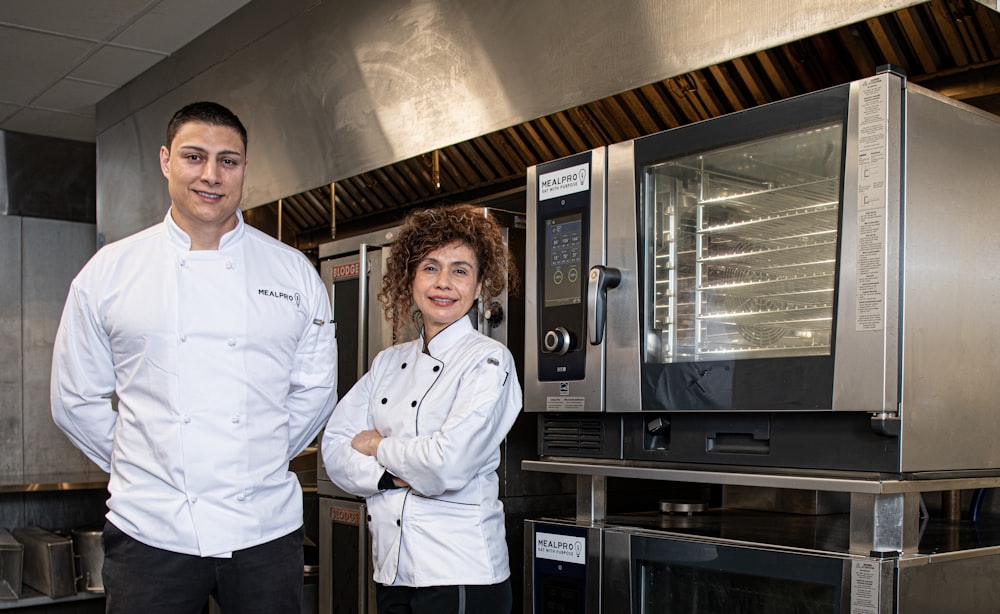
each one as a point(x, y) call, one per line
point(31, 598)
point(884, 508)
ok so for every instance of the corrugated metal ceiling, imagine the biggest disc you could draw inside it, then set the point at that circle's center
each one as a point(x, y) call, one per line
point(951, 46)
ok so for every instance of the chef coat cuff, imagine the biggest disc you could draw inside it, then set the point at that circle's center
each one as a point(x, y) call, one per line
point(385, 482)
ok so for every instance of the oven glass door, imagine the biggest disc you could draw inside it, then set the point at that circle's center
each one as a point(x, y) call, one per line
point(344, 301)
point(680, 576)
point(742, 248)
point(738, 247)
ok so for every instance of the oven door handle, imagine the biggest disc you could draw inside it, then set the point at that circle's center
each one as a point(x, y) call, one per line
point(602, 279)
point(363, 322)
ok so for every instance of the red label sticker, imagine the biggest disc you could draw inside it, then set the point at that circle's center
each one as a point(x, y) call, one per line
point(342, 271)
point(344, 516)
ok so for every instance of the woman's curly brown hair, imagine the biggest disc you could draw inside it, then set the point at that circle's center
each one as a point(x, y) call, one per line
point(426, 230)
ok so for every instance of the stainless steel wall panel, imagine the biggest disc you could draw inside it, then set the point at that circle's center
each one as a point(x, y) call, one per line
point(332, 89)
point(11, 441)
point(54, 251)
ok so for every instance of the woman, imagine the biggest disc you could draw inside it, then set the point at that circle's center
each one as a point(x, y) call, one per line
point(418, 436)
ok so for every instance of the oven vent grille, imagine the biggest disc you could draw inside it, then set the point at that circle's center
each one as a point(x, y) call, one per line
point(572, 436)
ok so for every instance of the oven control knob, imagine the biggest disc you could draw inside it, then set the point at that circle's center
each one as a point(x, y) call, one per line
point(557, 341)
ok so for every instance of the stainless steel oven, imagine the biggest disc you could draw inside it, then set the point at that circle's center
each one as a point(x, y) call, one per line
point(352, 271)
point(563, 574)
point(810, 284)
point(346, 551)
point(743, 562)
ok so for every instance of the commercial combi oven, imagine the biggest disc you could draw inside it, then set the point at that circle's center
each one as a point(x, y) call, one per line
point(810, 284)
point(736, 561)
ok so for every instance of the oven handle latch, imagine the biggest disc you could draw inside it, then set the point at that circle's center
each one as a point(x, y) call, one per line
point(602, 279)
point(886, 424)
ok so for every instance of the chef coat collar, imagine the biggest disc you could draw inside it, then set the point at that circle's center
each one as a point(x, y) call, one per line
point(449, 336)
point(181, 239)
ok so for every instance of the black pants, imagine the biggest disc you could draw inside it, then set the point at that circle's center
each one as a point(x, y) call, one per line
point(140, 579)
point(462, 599)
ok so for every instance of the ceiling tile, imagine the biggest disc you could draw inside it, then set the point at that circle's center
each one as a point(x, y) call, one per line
point(6, 110)
point(171, 24)
point(115, 66)
point(32, 62)
point(73, 96)
point(50, 123)
point(92, 20)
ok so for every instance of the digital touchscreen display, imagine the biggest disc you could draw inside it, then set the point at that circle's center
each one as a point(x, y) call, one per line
point(563, 260)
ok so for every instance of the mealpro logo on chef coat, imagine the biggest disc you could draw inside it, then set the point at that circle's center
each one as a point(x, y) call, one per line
point(291, 298)
point(563, 548)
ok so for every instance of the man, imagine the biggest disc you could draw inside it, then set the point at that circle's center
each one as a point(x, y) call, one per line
point(216, 340)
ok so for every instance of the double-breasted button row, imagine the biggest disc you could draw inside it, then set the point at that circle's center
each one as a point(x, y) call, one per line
point(230, 265)
point(399, 521)
point(235, 419)
point(231, 342)
point(412, 403)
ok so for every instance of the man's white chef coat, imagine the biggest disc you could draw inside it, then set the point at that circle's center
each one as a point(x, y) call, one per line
point(444, 415)
point(224, 365)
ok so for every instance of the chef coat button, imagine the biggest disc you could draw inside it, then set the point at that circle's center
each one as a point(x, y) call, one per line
point(193, 499)
point(184, 338)
point(187, 419)
point(413, 403)
point(437, 368)
point(231, 342)
point(182, 263)
point(402, 366)
point(235, 419)
point(384, 401)
point(241, 497)
point(230, 265)
point(399, 522)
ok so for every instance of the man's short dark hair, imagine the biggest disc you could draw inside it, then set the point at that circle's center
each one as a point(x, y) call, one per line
point(211, 113)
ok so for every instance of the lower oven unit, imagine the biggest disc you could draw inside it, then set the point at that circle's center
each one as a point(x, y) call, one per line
point(345, 585)
point(748, 562)
point(563, 573)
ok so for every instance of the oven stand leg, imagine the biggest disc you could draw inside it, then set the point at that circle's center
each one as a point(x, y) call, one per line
point(591, 498)
point(885, 523)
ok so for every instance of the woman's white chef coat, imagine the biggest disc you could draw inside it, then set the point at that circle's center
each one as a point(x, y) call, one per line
point(443, 415)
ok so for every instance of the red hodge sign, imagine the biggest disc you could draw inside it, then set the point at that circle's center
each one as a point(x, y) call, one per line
point(346, 270)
